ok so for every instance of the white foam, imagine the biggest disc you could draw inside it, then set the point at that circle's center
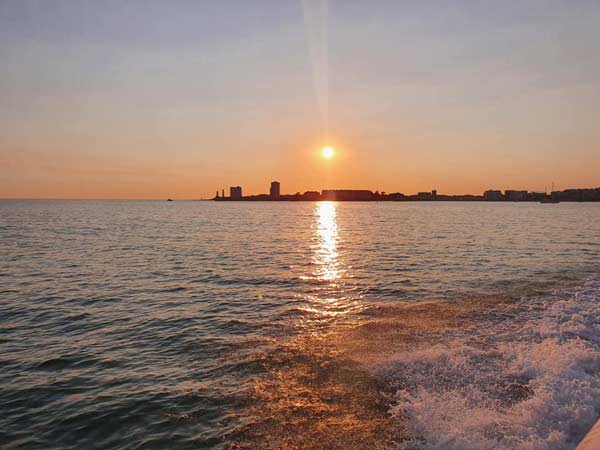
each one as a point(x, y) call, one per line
point(527, 383)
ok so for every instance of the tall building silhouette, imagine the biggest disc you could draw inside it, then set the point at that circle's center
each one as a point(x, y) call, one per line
point(235, 192)
point(275, 191)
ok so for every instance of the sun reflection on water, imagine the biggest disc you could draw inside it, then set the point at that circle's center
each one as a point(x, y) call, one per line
point(333, 295)
point(326, 255)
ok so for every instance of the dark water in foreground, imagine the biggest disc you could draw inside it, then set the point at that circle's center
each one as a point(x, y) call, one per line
point(311, 325)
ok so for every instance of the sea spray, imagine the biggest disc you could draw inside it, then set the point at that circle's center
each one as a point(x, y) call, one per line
point(531, 382)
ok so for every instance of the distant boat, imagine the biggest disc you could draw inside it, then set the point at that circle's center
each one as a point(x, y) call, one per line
point(550, 199)
point(169, 199)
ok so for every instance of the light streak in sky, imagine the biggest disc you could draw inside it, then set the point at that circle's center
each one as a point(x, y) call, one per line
point(316, 18)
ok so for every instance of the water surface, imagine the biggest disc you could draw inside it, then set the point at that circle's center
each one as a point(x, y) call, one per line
point(149, 324)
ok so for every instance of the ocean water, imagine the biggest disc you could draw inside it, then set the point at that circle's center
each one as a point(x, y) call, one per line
point(151, 325)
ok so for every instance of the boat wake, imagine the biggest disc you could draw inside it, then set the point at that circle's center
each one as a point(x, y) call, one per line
point(477, 374)
point(514, 376)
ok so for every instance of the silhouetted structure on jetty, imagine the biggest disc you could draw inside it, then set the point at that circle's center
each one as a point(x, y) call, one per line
point(351, 195)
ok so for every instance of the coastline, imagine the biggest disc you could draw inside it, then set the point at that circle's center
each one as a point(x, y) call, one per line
point(350, 195)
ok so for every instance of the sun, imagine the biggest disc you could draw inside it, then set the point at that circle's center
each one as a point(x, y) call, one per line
point(327, 152)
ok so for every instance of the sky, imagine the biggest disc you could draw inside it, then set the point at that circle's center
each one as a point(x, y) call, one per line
point(156, 99)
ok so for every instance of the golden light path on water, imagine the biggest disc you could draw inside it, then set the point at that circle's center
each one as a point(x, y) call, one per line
point(335, 296)
point(314, 395)
point(326, 254)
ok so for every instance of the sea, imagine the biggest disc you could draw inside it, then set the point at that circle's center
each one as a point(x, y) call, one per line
point(280, 325)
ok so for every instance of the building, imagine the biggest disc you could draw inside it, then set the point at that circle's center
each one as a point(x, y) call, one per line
point(347, 195)
point(311, 196)
point(427, 195)
point(516, 196)
point(493, 195)
point(275, 191)
point(577, 195)
point(396, 196)
point(235, 192)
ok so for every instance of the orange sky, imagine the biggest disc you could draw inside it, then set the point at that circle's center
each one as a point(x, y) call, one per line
point(99, 104)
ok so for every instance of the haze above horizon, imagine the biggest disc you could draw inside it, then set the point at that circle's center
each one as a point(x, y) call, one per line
point(155, 99)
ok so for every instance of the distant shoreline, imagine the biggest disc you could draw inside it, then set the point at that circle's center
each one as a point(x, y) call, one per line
point(348, 195)
point(245, 200)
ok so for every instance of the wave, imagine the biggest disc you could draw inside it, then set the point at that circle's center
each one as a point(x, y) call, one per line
point(518, 376)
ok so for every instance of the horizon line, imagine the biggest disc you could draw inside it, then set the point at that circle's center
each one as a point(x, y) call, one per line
point(125, 198)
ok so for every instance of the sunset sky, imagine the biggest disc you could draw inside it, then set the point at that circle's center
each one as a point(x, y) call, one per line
point(149, 99)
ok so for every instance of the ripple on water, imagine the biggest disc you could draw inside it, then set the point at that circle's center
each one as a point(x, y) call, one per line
point(198, 324)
